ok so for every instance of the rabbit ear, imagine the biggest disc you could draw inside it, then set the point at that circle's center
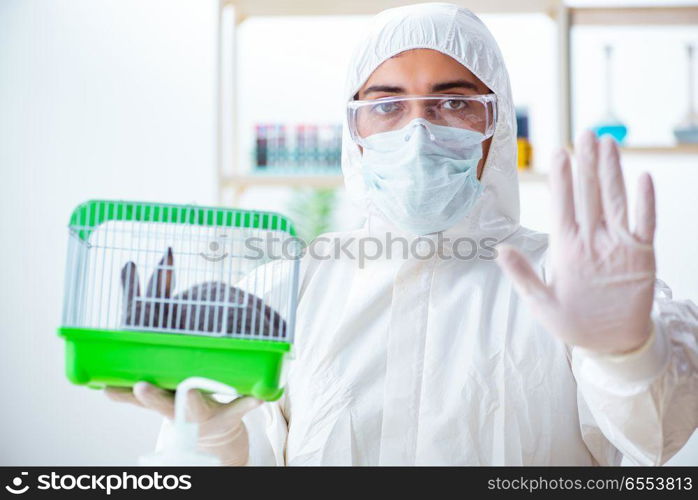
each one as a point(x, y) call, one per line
point(162, 281)
point(132, 290)
point(130, 282)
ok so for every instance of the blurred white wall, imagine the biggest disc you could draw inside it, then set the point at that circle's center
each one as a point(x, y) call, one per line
point(108, 98)
point(98, 98)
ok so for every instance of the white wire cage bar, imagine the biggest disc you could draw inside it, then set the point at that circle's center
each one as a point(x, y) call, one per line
point(181, 269)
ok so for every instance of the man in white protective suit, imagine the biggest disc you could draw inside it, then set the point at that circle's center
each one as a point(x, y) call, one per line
point(560, 353)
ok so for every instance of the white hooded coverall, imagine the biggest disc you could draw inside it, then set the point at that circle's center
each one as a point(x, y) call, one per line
point(435, 361)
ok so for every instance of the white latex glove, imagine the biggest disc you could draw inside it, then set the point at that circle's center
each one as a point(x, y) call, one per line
point(221, 430)
point(603, 275)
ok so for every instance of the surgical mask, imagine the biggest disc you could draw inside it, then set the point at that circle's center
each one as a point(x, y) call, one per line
point(419, 179)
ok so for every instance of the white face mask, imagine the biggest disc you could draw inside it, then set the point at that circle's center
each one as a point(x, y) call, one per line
point(419, 179)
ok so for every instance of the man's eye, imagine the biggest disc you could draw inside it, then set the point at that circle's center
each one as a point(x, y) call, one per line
point(385, 108)
point(455, 105)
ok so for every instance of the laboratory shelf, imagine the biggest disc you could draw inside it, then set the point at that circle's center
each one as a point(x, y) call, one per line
point(316, 181)
point(242, 182)
point(532, 176)
point(250, 8)
point(687, 149)
point(232, 12)
point(294, 171)
point(635, 15)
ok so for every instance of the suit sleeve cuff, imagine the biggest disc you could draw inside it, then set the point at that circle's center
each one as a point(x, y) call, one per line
point(643, 364)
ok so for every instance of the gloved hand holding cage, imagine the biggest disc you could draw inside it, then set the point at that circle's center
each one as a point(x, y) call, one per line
point(232, 319)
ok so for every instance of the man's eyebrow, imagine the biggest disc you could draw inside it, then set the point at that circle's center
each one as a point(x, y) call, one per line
point(438, 87)
point(464, 84)
point(384, 88)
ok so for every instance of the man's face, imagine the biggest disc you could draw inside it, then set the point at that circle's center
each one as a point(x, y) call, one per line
point(424, 72)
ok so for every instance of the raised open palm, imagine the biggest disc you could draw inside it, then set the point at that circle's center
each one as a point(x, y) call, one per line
point(602, 286)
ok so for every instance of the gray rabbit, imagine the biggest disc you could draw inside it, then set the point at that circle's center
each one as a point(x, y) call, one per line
point(201, 308)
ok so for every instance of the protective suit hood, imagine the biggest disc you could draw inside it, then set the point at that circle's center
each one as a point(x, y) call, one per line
point(458, 33)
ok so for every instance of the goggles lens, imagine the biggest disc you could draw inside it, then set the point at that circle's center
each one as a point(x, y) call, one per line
point(370, 117)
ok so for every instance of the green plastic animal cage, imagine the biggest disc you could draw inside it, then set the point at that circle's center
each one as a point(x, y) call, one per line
point(160, 293)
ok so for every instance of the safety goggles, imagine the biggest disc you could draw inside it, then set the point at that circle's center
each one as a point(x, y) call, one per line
point(477, 113)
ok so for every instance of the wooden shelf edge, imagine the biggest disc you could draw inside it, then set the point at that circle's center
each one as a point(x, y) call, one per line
point(678, 149)
point(630, 15)
point(243, 181)
point(252, 8)
point(532, 176)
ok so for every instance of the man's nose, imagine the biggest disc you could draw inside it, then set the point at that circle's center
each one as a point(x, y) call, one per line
point(420, 110)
